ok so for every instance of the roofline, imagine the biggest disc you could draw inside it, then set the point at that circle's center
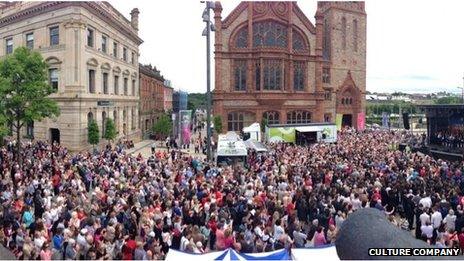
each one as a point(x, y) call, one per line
point(301, 125)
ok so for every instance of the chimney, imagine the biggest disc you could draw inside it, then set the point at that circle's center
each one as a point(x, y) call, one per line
point(135, 18)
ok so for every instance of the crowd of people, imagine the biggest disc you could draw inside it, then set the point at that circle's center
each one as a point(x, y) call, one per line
point(114, 205)
point(451, 138)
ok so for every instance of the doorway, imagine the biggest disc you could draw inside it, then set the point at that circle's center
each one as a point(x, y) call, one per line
point(347, 120)
point(55, 135)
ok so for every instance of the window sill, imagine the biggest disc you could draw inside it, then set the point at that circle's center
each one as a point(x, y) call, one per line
point(52, 48)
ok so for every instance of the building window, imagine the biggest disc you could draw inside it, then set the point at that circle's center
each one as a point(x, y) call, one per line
point(328, 95)
point(272, 75)
point(327, 117)
point(126, 82)
point(258, 75)
point(54, 35)
point(124, 54)
point(103, 123)
point(105, 83)
point(326, 75)
point(297, 117)
point(269, 34)
point(298, 42)
point(89, 37)
point(53, 78)
point(133, 58)
point(116, 84)
point(30, 41)
point(240, 73)
point(343, 33)
point(241, 40)
point(355, 35)
point(235, 121)
point(104, 43)
point(91, 81)
point(115, 50)
point(298, 75)
point(133, 119)
point(271, 117)
point(9, 45)
point(326, 41)
point(30, 129)
point(133, 88)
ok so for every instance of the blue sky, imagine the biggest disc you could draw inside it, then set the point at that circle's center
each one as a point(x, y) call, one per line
point(412, 45)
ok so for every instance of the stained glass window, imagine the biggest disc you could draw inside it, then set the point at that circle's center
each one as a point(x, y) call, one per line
point(258, 75)
point(298, 75)
point(272, 75)
point(240, 75)
point(241, 40)
point(272, 117)
point(269, 34)
point(298, 42)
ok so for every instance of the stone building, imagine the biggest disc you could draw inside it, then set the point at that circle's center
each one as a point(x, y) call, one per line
point(272, 63)
point(151, 97)
point(168, 92)
point(92, 51)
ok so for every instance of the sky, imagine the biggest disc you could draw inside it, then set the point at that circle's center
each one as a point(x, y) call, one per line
point(412, 45)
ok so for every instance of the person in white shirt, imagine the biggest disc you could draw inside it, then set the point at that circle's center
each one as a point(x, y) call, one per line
point(278, 229)
point(450, 220)
point(424, 217)
point(355, 202)
point(426, 202)
point(436, 218)
point(427, 231)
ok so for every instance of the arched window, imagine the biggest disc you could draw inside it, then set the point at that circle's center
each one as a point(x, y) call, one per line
point(103, 123)
point(343, 33)
point(89, 117)
point(355, 35)
point(133, 119)
point(272, 117)
point(237, 120)
point(241, 40)
point(269, 34)
point(296, 117)
point(298, 41)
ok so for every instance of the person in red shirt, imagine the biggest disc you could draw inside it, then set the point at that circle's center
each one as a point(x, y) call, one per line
point(56, 180)
point(129, 248)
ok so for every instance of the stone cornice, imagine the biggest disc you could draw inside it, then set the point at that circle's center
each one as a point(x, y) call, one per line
point(92, 7)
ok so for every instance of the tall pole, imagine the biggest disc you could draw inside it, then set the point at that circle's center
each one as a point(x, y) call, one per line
point(462, 93)
point(208, 87)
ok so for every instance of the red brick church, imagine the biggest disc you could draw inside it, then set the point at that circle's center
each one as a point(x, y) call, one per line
point(273, 63)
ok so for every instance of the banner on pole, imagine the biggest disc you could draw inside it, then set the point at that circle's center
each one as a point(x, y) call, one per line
point(185, 118)
point(361, 121)
point(338, 121)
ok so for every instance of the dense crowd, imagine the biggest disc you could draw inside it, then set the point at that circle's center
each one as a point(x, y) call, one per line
point(452, 138)
point(113, 205)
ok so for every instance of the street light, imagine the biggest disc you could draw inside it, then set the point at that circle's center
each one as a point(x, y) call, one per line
point(206, 32)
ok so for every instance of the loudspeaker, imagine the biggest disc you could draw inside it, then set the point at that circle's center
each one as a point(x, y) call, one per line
point(406, 120)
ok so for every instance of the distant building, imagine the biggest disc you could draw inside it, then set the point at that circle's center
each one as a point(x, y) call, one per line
point(273, 63)
point(179, 101)
point(92, 51)
point(151, 97)
point(168, 92)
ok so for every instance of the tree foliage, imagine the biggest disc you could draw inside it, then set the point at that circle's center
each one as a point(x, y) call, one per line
point(110, 129)
point(196, 101)
point(449, 100)
point(24, 90)
point(217, 122)
point(93, 133)
point(163, 126)
point(390, 107)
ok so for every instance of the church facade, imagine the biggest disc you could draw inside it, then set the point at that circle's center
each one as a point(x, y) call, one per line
point(273, 65)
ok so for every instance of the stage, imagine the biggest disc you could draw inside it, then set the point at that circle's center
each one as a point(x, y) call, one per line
point(445, 130)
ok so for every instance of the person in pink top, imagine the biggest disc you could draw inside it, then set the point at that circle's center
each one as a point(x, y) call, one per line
point(319, 237)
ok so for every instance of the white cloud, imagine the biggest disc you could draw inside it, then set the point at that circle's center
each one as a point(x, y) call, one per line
point(415, 38)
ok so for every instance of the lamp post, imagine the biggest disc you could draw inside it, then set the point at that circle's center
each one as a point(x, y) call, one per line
point(206, 32)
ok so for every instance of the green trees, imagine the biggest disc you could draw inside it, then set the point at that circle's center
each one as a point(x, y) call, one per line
point(110, 130)
point(93, 133)
point(217, 121)
point(163, 126)
point(449, 100)
point(24, 91)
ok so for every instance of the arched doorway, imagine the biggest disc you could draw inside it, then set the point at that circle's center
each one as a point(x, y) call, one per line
point(349, 102)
